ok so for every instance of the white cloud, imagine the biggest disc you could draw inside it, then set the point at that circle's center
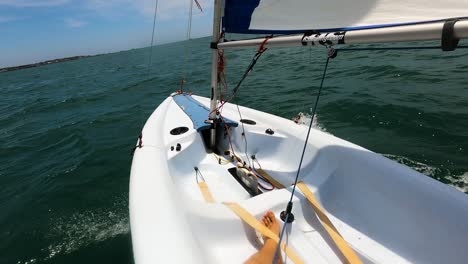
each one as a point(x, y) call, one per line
point(167, 9)
point(32, 3)
point(171, 9)
point(75, 23)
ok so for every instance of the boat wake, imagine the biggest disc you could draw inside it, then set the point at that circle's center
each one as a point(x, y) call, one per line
point(305, 118)
point(458, 181)
point(84, 228)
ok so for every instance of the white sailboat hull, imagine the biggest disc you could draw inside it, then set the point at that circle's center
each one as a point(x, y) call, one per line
point(386, 212)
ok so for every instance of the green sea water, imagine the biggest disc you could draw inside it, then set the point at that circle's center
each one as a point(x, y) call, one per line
point(66, 130)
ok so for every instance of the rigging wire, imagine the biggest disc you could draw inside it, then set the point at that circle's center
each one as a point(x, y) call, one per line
point(244, 136)
point(140, 137)
point(259, 175)
point(331, 54)
point(189, 25)
point(256, 57)
point(187, 69)
point(187, 52)
point(222, 79)
point(152, 35)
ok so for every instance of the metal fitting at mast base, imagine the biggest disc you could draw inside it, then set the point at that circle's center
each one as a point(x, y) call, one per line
point(213, 137)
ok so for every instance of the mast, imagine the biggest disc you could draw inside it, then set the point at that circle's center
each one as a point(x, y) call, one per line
point(214, 70)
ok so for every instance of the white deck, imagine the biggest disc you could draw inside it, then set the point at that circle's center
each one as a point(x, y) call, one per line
point(387, 212)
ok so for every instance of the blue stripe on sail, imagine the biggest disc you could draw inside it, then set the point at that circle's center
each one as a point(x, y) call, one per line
point(237, 16)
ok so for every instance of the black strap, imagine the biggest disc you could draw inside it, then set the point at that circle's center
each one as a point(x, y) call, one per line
point(307, 34)
point(448, 41)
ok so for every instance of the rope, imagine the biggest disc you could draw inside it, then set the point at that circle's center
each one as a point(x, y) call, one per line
point(222, 82)
point(246, 73)
point(140, 137)
point(260, 51)
point(152, 35)
point(199, 6)
point(189, 25)
point(257, 56)
point(244, 136)
point(331, 54)
point(222, 160)
point(187, 59)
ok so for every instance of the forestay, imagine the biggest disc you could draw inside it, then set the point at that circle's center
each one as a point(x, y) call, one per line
point(298, 16)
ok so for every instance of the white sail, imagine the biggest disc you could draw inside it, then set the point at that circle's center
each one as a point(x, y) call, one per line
point(301, 15)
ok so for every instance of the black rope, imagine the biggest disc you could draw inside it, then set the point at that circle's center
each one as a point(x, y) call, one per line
point(331, 54)
point(257, 56)
point(236, 89)
point(246, 73)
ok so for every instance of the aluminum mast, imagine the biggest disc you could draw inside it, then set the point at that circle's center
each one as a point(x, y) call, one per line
point(214, 70)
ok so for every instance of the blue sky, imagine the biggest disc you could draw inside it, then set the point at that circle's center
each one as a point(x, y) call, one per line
point(37, 30)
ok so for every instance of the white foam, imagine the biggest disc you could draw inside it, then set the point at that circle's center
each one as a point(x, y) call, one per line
point(31, 261)
point(460, 182)
point(83, 228)
point(304, 119)
point(415, 165)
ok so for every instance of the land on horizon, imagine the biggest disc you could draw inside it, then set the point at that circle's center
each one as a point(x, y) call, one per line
point(42, 63)
point(52, 61)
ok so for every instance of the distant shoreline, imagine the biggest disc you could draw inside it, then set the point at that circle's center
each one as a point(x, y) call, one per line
point(32, 65)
